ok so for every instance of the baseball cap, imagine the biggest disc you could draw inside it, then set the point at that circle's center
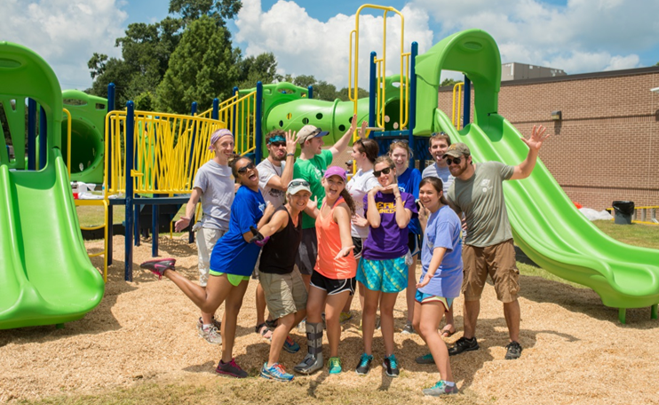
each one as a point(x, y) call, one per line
point(217, 135)
point(335, 171)
point(457, 150)
point(309, 131)
point(297, 185)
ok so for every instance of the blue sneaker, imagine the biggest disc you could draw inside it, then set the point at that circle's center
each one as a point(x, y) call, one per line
point(275, 372)
point(364, 364)
point(390, 365)
point(441, 388)
point(334, 365)
point(290, 345)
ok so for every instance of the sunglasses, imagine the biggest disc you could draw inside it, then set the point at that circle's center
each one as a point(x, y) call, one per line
point(277, 144)
point(450, 161)
point(297, 183)
point(377, 173)
point(245, 168)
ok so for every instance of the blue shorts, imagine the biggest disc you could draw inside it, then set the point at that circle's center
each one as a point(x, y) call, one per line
point(388, 276)
point(422, 298)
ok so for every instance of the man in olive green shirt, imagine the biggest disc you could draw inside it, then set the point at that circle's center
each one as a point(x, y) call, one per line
point(488, 248)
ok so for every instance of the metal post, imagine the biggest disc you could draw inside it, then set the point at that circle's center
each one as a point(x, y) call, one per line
point(372, 90)
point(31, 134)
point(412, 102)
point(310, 92)
point(43, 138)
point(257, 129)
point(155, 231)
point(215, 114)
point(194, 135)
point(130, 129)
point(108, 175)
point(466, 110)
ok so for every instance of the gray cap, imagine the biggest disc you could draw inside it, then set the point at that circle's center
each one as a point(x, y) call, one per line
point(457, 150)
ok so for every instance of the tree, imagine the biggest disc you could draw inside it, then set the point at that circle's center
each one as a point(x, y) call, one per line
point(448, 82)
point(218, 10)
point(203, 66)
point(261, 68)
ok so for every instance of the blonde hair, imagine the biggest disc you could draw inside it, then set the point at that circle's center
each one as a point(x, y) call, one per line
point(402, 145)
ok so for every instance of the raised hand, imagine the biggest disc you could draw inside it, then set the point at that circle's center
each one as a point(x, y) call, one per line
point(353, 124)
point(291, 141)
point(537, 137)
point(362, 131)
point(424, 213)
point(359, 220)
point(395, 189)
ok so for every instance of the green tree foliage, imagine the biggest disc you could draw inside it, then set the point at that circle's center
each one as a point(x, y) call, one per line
point(218, 10)
point(203, 66)
point(448, 82)
point(261, 68)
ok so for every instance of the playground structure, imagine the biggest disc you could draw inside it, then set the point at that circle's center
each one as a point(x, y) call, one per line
point(150, 158)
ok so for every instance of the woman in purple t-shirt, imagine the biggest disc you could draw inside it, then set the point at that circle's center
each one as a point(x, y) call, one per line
point(382, 270)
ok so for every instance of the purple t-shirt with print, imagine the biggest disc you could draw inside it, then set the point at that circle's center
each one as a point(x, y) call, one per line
point(387, 241)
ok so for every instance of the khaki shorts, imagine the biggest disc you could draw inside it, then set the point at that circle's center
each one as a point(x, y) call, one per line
point(206, 240)
point(284, 293)
point(499, 262)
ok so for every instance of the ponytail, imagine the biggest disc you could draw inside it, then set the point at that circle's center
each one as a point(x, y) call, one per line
point(348, 198)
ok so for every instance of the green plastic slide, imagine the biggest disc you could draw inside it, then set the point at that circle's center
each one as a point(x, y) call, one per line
point(546, 225)
point(46, 276)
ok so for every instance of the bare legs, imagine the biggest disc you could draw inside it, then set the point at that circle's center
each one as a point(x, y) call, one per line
point(386, 302)
point(426, 321)
point(411, 289)
point(319, 300)
point(284, 326)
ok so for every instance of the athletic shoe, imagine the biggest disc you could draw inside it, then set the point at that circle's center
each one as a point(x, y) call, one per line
point(364, 364)
point(290, 345)
point(310, 364)
point(275, 372)
point(345, 316)
point(514, 351)
point(159, 266)
point(390, 365)
point(302, 326)
point(425, 359)
point(463, 345)
point(231, 369)
point(212, 335)
point(408, 329)
point(334, 365)
point(440, 389)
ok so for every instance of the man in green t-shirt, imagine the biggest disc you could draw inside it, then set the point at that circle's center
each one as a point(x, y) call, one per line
point(488, 247)
point(311, 167)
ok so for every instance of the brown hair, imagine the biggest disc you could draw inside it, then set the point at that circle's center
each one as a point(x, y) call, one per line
point(439, 135)
point(402, 145)
point(369, 147)
point(384, 158)
point(348, 198)
point(437, 184)
point(273, 133)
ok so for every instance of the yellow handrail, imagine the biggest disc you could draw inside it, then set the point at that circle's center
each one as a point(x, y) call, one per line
point(456, 115)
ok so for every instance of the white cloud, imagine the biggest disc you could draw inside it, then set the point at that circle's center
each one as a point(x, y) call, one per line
point(582, 36)
point(64, 32)
point(306, 46)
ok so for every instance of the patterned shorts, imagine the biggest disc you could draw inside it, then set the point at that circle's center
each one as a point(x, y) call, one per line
point(388, 276)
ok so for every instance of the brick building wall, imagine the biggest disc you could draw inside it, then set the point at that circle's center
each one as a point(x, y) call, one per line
point(606, 147)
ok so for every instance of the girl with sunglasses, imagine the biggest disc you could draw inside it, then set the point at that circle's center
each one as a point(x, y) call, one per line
point(408, 182)
point(232, 261)
point(441, 277)
point(333, 277)
point(382, 271)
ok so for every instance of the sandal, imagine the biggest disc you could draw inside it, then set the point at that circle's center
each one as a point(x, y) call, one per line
point(263, 330)
point(447, 332)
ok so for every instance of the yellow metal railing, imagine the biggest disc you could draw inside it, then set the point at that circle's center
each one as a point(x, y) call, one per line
point(169, 148)
point(381, 68)
point(456, 115)
point(239, 115)
point(643, 215)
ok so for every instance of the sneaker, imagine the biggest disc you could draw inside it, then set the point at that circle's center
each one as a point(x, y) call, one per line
point(425, 359)
point(159, 266)
point(231, 369)
point(463, 345)
point(364, 364)
point(334, 365)
point(310, 364)
point(275, 372)
point(345, 316)
point(290, 345)
point(202, 334)
point(210, 334)
point(408, 329)
point(377, 323)
point(390, 365)
point(302, 326)
point(514, 351)
point(441, 388)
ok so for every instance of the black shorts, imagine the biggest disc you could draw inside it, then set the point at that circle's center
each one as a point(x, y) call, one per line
point(357, 250)
point(414, 243)
point(307, 252)
point(333, 286)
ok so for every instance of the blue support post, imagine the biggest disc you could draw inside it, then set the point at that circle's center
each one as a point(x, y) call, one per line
point(257, 130)
point(215, 114)
point(372, 90)
point(108, 175)
point(31, 134)
point(43, 138)
point(412, 102)
point(130, 127)
point(466, 109)
point(310, 92)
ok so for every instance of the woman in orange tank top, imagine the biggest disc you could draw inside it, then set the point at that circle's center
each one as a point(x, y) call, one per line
point(333, 279)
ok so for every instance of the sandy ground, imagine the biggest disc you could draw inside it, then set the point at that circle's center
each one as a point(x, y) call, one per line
point(575, 351)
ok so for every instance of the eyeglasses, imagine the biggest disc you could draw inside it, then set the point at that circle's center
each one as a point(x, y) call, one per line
point(245, 168)
point(378, 173)
point(277, 144)
point(450, 161)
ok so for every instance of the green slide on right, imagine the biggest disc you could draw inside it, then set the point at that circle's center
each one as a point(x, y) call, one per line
point(546, 225)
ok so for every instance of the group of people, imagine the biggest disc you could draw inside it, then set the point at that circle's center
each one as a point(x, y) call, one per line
point(312, 236)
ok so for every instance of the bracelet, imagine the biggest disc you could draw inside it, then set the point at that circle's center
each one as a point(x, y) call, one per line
point(290, 154)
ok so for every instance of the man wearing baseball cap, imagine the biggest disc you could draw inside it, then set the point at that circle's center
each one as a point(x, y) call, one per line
point(214, 186)
point(488, 247)
point(311, 166)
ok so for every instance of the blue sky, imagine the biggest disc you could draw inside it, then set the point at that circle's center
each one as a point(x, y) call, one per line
point(311, 36)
